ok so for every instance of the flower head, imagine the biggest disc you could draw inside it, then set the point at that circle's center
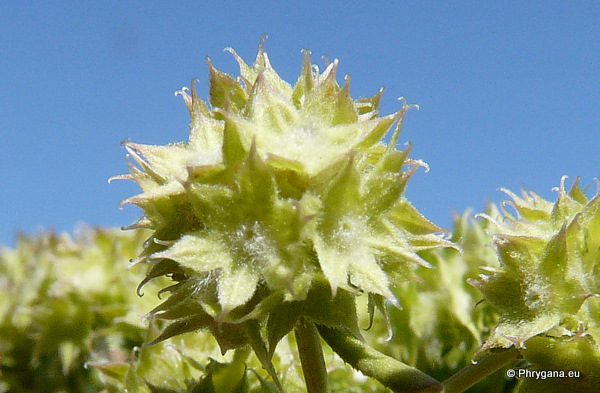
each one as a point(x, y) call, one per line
point(280, 191)
point(549, 257)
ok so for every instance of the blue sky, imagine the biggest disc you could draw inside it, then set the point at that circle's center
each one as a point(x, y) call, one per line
point(508, 92)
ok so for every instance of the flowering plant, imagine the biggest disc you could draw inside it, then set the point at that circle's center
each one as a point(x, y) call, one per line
point(285, 213)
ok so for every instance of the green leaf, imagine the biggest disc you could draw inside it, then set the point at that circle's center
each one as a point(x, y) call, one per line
point(319, 306)
point(345, 113)
point(228, 378)
point(201, 252)
point(258, 345)
point(236, 287)
point(224, 89)
point(235, 140)
point(158, 389)
point(176, 328)
point(115, 370)
point(272, 111)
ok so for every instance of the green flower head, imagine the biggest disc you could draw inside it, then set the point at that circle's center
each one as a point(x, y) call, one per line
point(548, 276)
point(281, 191)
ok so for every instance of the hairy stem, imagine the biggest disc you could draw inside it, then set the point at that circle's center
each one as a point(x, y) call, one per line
point(311, 357)
point(399, 377)
point(474, 373)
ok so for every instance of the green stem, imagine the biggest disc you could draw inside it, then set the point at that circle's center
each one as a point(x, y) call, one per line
point(311, 357)
point(474, 373)
point(392, 373)
point(258, 345)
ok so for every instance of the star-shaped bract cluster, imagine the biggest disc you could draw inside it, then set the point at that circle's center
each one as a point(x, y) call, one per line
point(280, 190)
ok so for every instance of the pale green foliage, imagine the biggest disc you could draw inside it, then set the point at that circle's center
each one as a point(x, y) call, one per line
point(546, 287)
point(283, 198)
point(192, 362)
point(63, 298)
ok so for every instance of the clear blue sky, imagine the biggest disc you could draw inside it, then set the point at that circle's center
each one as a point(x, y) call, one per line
point(509, 91)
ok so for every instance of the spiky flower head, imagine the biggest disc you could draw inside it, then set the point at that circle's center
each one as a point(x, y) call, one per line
point(546, 287)
point(280, 192)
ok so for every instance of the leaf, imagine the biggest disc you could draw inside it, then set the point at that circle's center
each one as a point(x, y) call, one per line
point(369, 277)
point(224, 88)
point(404, 215)
point(343, 195)
point(372, 131)
point(319, 306)
point(229, 336)
point(190, 324)
point(270, 109)
point(345, 113)
point(236, 286)
point(257, 187)
point(228, 377)
point(184, 302)
point(158, 389)
point(258, 345)
point(115, 370)
point(333, 264)
point(160, 269)
point(235, 139)
point(201, 252)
